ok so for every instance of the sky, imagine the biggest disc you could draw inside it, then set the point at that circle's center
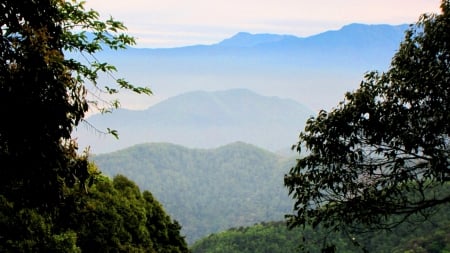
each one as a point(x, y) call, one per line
point(174, 23)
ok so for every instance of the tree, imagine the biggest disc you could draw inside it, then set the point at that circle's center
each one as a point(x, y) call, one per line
point(382, 155)
point(43, 96)
point(116, 217)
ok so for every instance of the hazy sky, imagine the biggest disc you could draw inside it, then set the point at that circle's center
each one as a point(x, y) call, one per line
point(169, 23)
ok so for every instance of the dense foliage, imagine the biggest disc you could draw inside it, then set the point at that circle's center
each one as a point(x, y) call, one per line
point(43, 95)
point(275, 237)
point(383, 151)
point(113, 217)
point(207, 190)
point(116, 217)
point(51, 198)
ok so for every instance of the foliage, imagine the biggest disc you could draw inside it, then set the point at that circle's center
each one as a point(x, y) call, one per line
point(116, 217)
point(45, 93)
point(383, 151)
point(28, 230)
point(263, 237)
point(275, 237)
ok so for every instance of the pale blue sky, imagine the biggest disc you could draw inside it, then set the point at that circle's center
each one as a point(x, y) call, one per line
point(170, 23)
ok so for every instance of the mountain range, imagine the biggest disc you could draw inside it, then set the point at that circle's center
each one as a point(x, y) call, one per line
point(278, 82)
point(315, 71)
point(255, 91)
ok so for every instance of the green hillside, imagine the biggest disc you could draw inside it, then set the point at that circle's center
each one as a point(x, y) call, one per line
point(274, 237)
point(207, 190)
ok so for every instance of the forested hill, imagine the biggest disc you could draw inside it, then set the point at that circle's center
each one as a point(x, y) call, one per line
point(207, 190)
point(275, 237)
point(203, 119)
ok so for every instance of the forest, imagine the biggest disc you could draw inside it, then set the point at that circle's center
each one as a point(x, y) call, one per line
point(421, 236)
point(207, 190)
point(215, 219)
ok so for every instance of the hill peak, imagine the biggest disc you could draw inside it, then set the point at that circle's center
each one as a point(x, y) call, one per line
point(356, 31)
point(245, 39)
point(204, 119)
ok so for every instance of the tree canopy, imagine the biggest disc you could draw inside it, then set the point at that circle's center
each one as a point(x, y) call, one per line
point(207, 190)
point(384, 150)
point(275, 237)
point(43, 94)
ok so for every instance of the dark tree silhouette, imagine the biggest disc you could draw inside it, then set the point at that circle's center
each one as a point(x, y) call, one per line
point(384, 151)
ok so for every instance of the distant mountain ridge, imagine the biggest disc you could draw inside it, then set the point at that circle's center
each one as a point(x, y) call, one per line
point(204, 120)
point(378, 42)
point(245, 39)
point(349, 35)
point(228, 107)
point(316, 70)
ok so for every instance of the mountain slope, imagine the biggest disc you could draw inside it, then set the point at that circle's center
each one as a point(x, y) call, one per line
point(204, 120)
point(207, 190)
point(432, 235)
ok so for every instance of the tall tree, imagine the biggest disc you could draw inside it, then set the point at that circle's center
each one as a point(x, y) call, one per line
point(43, 96)
point(43, 93)
point(382, 155)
